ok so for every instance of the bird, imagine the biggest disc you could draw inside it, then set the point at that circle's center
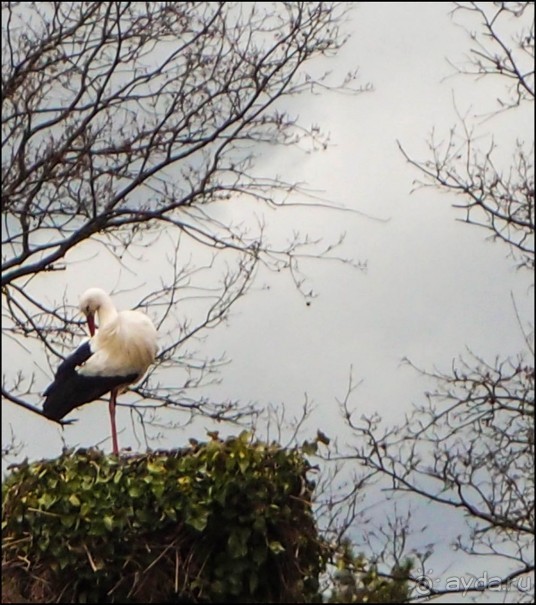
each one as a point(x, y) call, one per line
point(115, 356)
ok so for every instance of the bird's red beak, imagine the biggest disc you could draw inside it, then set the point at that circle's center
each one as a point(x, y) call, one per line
point(91, 324)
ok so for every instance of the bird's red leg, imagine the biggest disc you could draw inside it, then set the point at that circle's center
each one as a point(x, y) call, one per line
point(115, 447)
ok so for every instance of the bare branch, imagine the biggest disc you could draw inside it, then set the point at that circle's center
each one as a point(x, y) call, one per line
point(128, 126)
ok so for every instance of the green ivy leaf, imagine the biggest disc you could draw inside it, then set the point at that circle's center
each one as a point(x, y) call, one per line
point(134, 490)
point(198, 520)
point(74, 500)
point(47, 500)
point(236, 546)
point(156, 468)
point(276, 547)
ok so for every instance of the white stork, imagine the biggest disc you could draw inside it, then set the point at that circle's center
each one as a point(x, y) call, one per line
point(115, 357)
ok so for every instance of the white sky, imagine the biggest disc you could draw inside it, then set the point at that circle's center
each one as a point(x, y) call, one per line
point(433, 286)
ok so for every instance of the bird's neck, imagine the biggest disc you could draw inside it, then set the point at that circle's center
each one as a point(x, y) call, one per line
point(106, 313)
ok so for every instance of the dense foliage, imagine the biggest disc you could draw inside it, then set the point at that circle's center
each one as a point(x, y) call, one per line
point(357, 580)
point(225, 521)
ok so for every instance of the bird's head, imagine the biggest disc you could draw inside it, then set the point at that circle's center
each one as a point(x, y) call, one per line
point(90, 302)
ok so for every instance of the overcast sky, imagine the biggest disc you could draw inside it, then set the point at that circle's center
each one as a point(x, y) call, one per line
point(433, 286)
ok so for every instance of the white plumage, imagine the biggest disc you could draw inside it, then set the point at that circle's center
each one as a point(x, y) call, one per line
point(125, 342)
point(117, 355)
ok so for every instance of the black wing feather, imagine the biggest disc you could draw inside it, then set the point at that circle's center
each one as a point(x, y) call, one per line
point(71, 390)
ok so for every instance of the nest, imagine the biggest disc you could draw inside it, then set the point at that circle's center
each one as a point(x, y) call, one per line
point(225, 521)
